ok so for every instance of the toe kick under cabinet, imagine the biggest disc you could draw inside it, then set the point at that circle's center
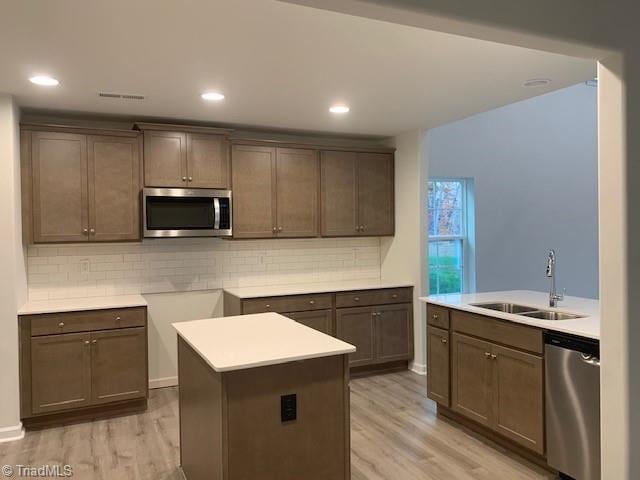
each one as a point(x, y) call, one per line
point(82, 364)
point(490, 372)
point(379, 322)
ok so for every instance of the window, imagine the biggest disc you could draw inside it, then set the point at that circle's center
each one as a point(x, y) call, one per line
point(449, 244)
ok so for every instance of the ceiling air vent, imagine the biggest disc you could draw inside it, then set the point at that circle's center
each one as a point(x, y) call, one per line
point(122, 96)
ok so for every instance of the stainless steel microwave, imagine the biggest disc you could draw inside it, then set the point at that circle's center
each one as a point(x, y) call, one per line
point(183, 212)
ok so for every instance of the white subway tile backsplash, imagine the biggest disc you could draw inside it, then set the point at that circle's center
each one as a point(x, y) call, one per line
point(173, 265)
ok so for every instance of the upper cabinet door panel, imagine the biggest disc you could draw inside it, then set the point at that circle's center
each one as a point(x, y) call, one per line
point(253, 179)
point(297, 192)
point(114, 188)
point(339, 193)
point(59, 165)
point(375, 194)
point(207, 161)
point(165, 159)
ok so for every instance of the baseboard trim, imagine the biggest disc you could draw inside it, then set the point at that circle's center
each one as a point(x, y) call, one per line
point(11, 434)
point(163, 382)
point(419, 368)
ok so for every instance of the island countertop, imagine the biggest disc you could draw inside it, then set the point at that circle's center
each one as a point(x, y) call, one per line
point(588, 326)
point(248, 341)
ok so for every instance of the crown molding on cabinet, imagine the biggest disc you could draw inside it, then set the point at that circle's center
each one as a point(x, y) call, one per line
point(169, 127)
point(311, 144)
point(53, 127)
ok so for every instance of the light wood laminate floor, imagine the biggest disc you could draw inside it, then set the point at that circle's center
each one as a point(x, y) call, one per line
point(396, 435)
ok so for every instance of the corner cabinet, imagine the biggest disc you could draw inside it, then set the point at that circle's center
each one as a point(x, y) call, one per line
point(82, 363)
point(80, 186)
point(177, 156)
point(357, 194)
point(275, 192)
point(488, 371)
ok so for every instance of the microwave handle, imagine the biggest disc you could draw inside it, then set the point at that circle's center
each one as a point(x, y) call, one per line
point(216, 214)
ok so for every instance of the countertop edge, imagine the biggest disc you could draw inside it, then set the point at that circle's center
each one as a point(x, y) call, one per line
point(552, 326)
point(40, 307)
point(307, 289)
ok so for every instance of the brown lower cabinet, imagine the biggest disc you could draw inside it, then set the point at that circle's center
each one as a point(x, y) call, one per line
point(490, 372)
point(63, 373)
point(379, 322)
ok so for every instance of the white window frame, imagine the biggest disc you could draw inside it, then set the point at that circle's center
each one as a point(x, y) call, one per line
point(467, 267)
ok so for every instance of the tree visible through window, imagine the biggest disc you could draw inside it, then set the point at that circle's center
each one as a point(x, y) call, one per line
point(447, 235)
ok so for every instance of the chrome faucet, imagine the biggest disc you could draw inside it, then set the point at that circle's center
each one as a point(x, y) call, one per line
point(554, 297)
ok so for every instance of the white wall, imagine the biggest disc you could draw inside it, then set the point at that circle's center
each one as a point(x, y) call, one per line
point(13, 278)
point(401, 254)
point(534, 169)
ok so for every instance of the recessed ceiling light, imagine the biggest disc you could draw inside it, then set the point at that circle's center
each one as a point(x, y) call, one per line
point(213, 96)
point(339, 109)
point(537, 82)
point(44, 80)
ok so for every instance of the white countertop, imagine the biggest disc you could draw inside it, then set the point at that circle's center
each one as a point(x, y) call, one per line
point(78, 304)
point(308, 288)
point(248, 341)
point(588, 326)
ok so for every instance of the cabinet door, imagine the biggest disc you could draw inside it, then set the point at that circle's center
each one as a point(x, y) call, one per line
point(114, 188)
point(253, 184)
point(518, 397)
point(60, 372)
point(394, 332)
point(297, 185)
point(59, 167)
point(438, 369)
point(165, 159)
point(356, 326)
point(118, 364)
point(320, 320)
point(375, 194)
point(472, 379)
point(339, 193)
point(207, 161)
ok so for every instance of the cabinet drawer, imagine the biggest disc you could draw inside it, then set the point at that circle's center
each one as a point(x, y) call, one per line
point(295, 303)
point(84, 321)
point(438, 316)
point(374, 297)
point(499, 331)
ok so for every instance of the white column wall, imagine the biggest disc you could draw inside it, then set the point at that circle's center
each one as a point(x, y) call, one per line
point(401, 254)
point(13, 285)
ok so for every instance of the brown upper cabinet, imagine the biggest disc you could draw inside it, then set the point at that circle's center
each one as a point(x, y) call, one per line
point(275, 192)
point(185, 157)
point(357, 193)
point(80, 186)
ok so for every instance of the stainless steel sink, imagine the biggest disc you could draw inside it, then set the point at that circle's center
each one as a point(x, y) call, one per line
point(505, 307)
point(549, 315)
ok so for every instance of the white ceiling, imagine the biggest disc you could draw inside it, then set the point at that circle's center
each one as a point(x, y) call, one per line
point(279, 65)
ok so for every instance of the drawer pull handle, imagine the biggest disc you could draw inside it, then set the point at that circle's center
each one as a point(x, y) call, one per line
point(444, 340)
point(61, 324)
point(267, 306)
point(312, 302)
point(435, 316)
point(118, 319)
point(395, 295)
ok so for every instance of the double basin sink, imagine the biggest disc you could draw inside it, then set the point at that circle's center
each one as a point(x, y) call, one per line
point(525, 311)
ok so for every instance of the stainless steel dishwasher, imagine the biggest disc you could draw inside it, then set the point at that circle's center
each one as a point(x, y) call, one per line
point(573, 405)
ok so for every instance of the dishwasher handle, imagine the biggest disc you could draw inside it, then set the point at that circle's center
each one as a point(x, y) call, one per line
point(590, 359)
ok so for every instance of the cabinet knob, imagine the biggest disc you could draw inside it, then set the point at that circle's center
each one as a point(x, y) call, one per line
point(191, 179)
point(493, 357)
point(362, 228)
point(94, 341)
point(279, 229)
point(85, 230)
point(61, 324)
point(118, 319)
point(487, 355)
point(395, 295)
point(92, 230)
point(356, 299)
point(435, 316)
point(444, 340)
point(267, 306)
point(86, 342)
point(274, 229)
point(184, 179)
point(312, 302)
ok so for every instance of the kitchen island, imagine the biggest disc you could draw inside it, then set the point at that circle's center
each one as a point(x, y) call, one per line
point(262, 396)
